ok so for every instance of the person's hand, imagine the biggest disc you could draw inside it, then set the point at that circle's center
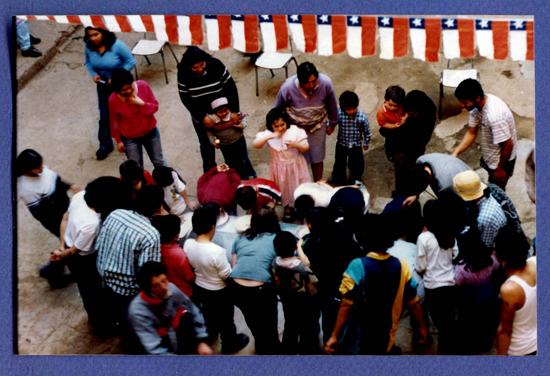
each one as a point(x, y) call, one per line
point(276, 135)
point(97, 79)
point(120, 146)
point(500, 176)
point(55, 255)
point(193, 205)
point(330, 130)
point(204, 349)
point(223, 167)
point(208, 122)
point(109, 81)
point(216, 143)
point(422, 335)
point(135, 100)
point(365, 147)
point(409, 201)
point(454, 154)
point(291, 144)
point(332, 345)
point(236, 117)
point(75, 188)
point(238, 125)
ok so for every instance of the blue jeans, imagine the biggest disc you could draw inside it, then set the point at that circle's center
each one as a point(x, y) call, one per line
point(236, 157)
point(23, 35)
point(151, 142)
point(104, 91)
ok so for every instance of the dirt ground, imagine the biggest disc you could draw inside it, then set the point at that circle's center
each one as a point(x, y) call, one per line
point(57, 116)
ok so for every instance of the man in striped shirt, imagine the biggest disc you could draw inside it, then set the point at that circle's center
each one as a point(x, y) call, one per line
point(126, 242)
point(498, 131)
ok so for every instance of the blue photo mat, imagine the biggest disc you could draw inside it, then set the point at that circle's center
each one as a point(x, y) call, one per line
point(11, 364)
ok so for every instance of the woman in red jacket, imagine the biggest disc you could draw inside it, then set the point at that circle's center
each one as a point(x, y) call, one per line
point(132, 109)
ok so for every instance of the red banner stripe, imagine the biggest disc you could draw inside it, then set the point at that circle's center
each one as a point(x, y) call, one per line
point(339, 28)
point(97, 21)
point(500, 39)
point(281, 31)
point(309, 24)
point(466, 29)
point(148, 23)
point(124, 24)
point(224, 25)
point(31, 17)
point(530, 27)
point(51, 18)
point(172, 28)
point(368, 35)
point(251, 33)
point(433, 39)
point(75, 19)
point(195, 26)
point(400, 36)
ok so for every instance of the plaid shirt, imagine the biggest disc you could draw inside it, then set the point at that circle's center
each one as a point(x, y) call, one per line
point(354, 131)
point(490, 220)
point(126, 241)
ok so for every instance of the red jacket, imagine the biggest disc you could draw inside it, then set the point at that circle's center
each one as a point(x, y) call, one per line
point(219, 187)
point(174, 259)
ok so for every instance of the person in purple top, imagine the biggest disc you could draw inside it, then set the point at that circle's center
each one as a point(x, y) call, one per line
point(105, 54)
point(310, 101)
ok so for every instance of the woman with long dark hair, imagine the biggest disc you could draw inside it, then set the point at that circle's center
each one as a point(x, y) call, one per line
point(254, 292)
point(104, 54)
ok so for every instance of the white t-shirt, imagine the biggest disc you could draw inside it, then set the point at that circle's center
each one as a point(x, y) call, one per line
point(172, 197)
point(33, 188)
point(209, 262)
point(83, 225)
point(434, 262)
point(321, 194)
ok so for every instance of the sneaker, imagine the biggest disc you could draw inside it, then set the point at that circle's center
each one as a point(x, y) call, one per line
point(102, 153)
point(239, 343)
point(35, 40)
point(31, 52)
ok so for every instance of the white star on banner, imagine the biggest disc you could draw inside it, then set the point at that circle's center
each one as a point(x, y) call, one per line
point(518, 24)
point(238, 16)
point(450, 22)
point(417, 22)
point(354, 19)
point(386, 20)
point(324, 18)
point(265, 17)
point(484, 24)
point(295, 17)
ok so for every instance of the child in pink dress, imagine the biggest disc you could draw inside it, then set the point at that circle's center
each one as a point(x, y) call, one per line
point(288, 167)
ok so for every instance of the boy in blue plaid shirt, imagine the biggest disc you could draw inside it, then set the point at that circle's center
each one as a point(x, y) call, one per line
point(353, 135)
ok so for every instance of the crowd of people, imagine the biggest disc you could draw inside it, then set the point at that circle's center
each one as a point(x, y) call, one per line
point(168, 288)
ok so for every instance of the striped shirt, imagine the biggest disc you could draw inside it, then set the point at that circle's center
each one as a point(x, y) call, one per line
point(490, 220)
point(353, 131)
point(126, 241)
point(267, 191)
point(497, 125)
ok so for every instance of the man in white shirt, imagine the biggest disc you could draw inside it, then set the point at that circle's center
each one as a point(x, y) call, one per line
point(498, 131)
point(211, 270)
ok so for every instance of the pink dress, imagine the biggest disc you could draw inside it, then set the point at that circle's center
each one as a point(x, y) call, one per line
point(288, 167)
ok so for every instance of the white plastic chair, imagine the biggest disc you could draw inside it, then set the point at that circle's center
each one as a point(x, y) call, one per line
point(147, 48)
point(452, 78)
point(274, 60)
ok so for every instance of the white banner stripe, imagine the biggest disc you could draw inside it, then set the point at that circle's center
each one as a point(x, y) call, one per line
point(61, 19)
point(112, 24)
point(324, 40)
point(268, 36)
point(298, 37)
point(136, 23)
point(239, 41)
point(42, 18)
point(212, 34)
point(355, 42)
point(184, 33)
point(160, 27)
point(518, 45)
point(418, 43)
point(485, 43)
point(451, 47)
point(22, 17)
point(386, 43)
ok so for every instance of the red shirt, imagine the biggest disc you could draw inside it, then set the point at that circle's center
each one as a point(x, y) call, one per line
point(219, 187)
point(133, 121)
point(385, 116)
point(268, 191)
point(174, 259)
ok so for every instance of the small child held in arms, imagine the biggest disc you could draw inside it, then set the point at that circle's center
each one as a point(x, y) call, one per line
point(297, 287)
point(175, 197)
point(353, 135)
point(172, 256)
point(227, 135)
point(391, 114)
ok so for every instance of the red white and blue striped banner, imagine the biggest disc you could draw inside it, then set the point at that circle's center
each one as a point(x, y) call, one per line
point(331, 34)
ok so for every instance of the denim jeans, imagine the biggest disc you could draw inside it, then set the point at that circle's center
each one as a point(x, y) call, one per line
point(236, 157)
point(208, 151)
point(151, 143)
point(104, 91)
point(23, 35)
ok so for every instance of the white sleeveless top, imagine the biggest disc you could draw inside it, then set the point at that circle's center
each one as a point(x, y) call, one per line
point(524, 332)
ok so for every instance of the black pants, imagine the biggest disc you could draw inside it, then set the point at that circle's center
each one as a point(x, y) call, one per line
point(208, 151)
point(353, 158)
point(404, 161)
point(259, 308)
point(115, 311)
point(441, 304)
point(218, 310)
point(301, 333)
point(84, 271)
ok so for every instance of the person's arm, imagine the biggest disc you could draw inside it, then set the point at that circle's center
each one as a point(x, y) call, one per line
point(467, 140)
point(343, 312)
point(416, 311)
point(62, 229)
point(282, 100)
point(233, 260)
point(262, 138)
point(366, 133)
point(229, 88)
point(150, 104)
point(302, 146)
point(114, 118)
point(332, 107)
point(510, 295)
point(95, 76)
point(147, 334)
point(224, 269)
point(129, 61)
point(300, 253)
point(187, 272)
point(506, 148)
point(421, 261)
point(203, 180)
point(150, 251)
point(234, 179)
